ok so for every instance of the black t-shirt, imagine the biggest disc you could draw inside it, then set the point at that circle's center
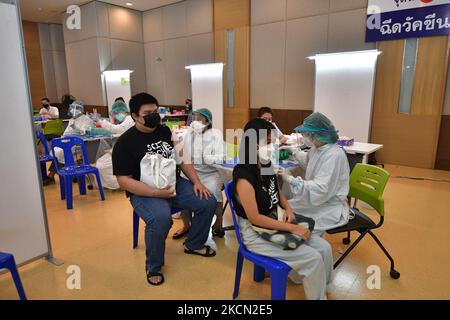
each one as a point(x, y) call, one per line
point(266, 190)
point(133, 145)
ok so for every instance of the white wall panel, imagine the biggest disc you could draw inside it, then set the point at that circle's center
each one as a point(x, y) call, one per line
point(61, 76)
point(44, 36)
point(125, 24)
point(83, 68)
point(200, 49)
point(177, 77)
point(130, 55)
point(174, 21)
point(306, 8)
point(56, 37)
point(267, 65)
point(155, 70)
point(153, 25)
point(267, 11)
point(342, 5)
point(102, 19)
point(199, 16)
point(305, 37)
point(23, 226)
point(347, 31)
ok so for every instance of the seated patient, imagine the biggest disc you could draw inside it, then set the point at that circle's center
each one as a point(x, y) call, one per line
point(322, 195)
point(47, 110)
point(256, 196)
point(204, 147)
point(153, 205)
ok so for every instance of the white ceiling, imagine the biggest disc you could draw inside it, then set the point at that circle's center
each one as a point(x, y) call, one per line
point(49, 11)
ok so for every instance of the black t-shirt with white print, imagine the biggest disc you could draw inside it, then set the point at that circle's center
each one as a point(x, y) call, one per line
point(266, 190)
point(133, 145)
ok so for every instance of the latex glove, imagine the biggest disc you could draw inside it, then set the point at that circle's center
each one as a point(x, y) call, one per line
point(288, 178)
point(284, 154)
point(296, 183)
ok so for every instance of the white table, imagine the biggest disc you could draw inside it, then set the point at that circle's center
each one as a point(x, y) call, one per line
point(362, 150)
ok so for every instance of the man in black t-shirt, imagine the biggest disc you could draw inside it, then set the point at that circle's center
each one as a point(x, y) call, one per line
point(148, 136)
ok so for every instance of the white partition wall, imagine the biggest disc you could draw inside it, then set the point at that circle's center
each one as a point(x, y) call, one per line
point(117, 84)
point(344, 90)
point(23, 226)
point(207, 90)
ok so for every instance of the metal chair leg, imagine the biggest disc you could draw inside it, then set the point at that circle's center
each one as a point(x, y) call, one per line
point(350, 249)
point(394, 274)
point(347, 240)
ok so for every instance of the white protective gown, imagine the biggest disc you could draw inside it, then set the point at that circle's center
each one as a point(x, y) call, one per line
point(104, 163)
point(322, 196)
point(118, 128)
point(74, 127)
point(205, 150)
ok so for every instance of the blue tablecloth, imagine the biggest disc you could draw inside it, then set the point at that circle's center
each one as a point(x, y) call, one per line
point(230, 164)
point(97, 146)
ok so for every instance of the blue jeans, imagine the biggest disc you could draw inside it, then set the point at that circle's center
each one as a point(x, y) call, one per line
point(156, 213)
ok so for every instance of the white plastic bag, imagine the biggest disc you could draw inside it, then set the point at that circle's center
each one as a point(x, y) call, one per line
point(105, 168)
point(82, 124)
point(158, 172)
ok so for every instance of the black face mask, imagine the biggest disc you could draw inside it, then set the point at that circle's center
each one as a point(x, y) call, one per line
point(152, 120)
point(46, 105)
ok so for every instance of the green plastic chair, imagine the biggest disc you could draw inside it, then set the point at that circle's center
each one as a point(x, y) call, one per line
point(367, 183)
point(53, 127)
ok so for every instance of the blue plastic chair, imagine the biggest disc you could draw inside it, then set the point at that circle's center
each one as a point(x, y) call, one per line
point(7, 262)
point(47, 157)
point(71, 171)
point(136, 226)
point(278, 270)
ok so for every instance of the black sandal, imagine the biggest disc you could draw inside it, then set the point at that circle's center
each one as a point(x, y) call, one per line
point(209, 252)
point(218, 233)
point(155, 274)
point(180, 235)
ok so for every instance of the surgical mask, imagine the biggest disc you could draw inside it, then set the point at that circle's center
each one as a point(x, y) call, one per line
point(152, 120)
point(265, 152)
point(307, 141)
point(197, 126)
point(120, 117)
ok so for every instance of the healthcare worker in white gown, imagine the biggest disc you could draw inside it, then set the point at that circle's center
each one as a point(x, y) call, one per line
point(119, 122)
point(204, 146)
point(120, 119)
point(322, 195)
point(254, 197)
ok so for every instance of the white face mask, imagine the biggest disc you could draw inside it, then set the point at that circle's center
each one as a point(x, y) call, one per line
point(307, 141)
point(197, 126)
point(265, 152)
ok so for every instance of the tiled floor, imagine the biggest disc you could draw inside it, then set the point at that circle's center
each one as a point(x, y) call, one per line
point(97, 237)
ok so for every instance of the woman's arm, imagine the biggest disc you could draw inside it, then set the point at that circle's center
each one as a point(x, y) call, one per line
point(289, 216)
point(247, 197)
